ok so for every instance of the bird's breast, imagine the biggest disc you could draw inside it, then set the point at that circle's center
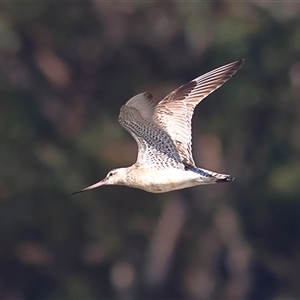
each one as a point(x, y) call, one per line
point(160, 181)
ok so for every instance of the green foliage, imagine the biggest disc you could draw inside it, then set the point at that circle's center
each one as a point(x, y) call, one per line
point(65, 70)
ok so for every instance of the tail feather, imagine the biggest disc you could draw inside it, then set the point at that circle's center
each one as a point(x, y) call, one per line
point(217, 177)
point(228, 178)
point(210, 176)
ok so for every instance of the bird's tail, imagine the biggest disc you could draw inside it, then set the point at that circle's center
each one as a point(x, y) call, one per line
point(217, 177)
point(224, 178)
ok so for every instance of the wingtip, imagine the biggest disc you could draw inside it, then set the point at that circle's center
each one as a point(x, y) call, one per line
point(239, 63)
point(148, 95)
point(232, 68)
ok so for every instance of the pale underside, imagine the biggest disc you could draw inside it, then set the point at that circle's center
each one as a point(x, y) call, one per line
point(165, 180)
point(163, 131)
point(163, 135)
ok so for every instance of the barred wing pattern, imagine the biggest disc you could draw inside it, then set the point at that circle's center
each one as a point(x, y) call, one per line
point(174, 112)
point(155, 147)
point(163, 131)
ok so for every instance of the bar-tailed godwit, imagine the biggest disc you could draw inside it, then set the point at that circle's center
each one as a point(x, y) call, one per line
point(163, 134)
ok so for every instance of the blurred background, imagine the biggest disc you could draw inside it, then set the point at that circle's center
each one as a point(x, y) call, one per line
point(65, 70)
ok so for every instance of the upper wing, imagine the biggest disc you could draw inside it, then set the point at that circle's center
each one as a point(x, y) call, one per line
point(175, 111)
point(155, 146)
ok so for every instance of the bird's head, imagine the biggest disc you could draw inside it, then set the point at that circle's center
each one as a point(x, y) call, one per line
point(114, 177)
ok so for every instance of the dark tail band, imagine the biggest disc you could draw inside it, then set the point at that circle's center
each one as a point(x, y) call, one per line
point(227, 179)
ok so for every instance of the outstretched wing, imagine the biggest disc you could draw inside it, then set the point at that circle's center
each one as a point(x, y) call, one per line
point(155, 146)
point(174, 112)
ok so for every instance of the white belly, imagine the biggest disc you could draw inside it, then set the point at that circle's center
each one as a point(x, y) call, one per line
point(161, 181)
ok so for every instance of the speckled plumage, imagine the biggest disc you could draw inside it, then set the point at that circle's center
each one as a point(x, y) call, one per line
point(163, 135)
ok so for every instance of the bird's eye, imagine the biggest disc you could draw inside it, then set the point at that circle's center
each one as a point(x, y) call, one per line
point(110, 174)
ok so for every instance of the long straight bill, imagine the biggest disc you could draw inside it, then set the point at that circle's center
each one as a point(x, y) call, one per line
point(100, 183)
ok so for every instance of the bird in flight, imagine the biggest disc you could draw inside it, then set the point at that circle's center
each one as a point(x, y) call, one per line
point(163, 134)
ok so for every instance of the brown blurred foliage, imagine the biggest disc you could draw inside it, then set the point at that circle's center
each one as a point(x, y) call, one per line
point(65, 70)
